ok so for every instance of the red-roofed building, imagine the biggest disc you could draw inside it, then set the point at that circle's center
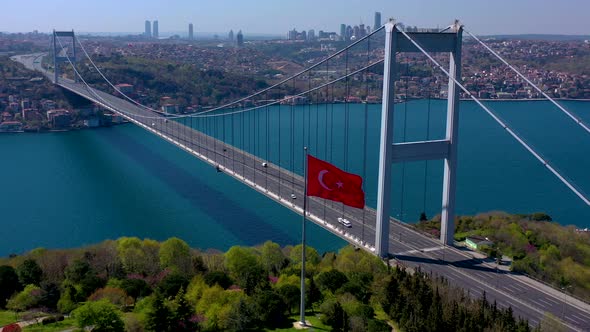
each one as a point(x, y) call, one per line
point(125, 88)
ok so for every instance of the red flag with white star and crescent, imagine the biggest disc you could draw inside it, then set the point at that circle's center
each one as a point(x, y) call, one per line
point(328, 181)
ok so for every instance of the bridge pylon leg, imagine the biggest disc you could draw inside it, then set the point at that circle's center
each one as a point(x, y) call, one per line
point(385, 150)
point(57, 59)
point(447, 224)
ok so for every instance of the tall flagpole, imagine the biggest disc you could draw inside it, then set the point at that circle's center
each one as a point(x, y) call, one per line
point(302, 305)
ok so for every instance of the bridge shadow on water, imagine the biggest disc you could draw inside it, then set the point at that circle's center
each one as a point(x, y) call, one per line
point(211, 201)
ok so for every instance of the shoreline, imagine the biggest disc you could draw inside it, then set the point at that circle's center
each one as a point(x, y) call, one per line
point(58, 130)
point(397, 102)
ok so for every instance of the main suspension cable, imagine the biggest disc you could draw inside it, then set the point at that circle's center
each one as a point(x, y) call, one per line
point(240, 100)
point(285, 99)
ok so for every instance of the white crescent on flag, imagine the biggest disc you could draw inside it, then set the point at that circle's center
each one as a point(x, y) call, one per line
point(321, 179)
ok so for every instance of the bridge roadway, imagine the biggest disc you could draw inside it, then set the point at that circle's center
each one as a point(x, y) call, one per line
point(528, 298)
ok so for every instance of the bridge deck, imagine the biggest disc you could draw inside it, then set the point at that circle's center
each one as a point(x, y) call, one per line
point(529, 299)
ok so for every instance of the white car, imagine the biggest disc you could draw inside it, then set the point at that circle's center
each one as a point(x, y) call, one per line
point(344, 222)
point(264, 165)
point(293, 196)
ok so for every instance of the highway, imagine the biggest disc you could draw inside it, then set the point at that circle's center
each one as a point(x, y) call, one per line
point(528, 298)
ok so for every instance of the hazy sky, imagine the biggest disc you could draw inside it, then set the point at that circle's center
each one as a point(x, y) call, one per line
point(278, 16)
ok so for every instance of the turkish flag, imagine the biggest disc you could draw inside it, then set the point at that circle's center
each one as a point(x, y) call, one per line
point(328, 181)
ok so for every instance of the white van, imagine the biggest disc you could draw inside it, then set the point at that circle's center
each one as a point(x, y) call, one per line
point(344, 222)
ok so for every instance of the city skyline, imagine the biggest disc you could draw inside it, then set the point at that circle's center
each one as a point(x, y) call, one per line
point(266, 17)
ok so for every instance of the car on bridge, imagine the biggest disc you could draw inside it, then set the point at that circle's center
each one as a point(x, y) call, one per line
point(344, 222)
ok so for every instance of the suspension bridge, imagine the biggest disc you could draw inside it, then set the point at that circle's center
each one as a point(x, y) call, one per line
point(259, 140)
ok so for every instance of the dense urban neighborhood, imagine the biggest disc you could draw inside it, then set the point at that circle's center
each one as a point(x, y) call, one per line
point(186, 70)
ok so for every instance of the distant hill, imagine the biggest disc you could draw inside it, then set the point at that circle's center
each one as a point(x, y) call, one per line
point(542, 37)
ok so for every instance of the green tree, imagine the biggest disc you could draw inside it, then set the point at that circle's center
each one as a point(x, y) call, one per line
point(241, 316)
point(29, 272)
point(290, 295)
point(423, 216)
point(9, 284)
point(175, 254)
point(244, 268)
point(158, 316)
point(136, 288)
point(331, 280)
point(272, 257)
point(172, 283)
point(131, 253)
point(311, 255)
point(50, 295)
point(67, 303)
point(269, 308)
point(182, 314)
point(333, 314)
point(116, 296)
point(28, 298)
point(199, 264)
point(101, 315)
point(218, 277)
point(77, 271)
point(313, 294)
point(435, 314)
point(84, 277)
point(151, 249)
point(216, 305)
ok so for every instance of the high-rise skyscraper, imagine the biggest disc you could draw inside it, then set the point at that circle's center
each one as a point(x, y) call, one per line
point(240, 39)
point(190, 31)
point(343, 32)
point(230, 36)
point(148, 29)
point(377, 23)
point(362, 31)
point(156, 33)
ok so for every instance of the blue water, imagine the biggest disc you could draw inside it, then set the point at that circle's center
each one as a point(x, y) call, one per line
point(69, 189)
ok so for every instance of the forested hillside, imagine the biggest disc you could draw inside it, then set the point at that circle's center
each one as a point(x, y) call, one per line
point(144, 285)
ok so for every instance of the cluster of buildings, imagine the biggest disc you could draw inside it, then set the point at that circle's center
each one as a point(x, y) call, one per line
point(481, 75)
point(204, 58)
point(239, 41)
point(18, 114)
point(347, 32)
point(23, 114)
point(543, 62)
point(152, 30)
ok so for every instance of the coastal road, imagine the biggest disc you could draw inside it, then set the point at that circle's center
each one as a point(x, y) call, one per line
point(529, 299)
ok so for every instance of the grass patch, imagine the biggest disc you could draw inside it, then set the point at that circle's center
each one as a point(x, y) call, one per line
point(7, 317)
point(382, 316)
point(54, 327)
point(314, 320)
